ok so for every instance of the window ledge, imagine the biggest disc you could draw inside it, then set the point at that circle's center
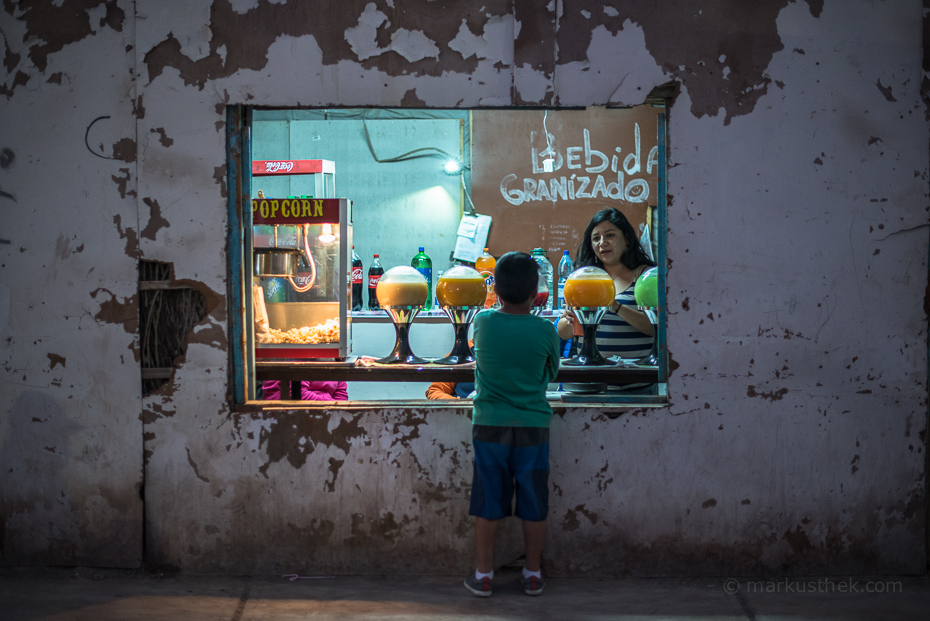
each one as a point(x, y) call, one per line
point(616, 404)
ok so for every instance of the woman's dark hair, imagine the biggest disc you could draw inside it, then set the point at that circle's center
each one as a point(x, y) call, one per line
point(516, 277)
point(632, 257)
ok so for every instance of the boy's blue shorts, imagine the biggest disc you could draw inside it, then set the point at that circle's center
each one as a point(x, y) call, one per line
point(508, 458)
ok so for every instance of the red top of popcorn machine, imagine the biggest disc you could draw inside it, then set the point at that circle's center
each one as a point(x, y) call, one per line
point(261, 168)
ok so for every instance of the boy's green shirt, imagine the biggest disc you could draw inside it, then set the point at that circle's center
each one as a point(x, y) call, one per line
point(517, 356)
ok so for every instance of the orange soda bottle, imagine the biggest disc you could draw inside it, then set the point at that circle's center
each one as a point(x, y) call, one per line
point(485, 266)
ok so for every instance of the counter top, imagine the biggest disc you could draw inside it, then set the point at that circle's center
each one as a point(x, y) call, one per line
point(353, 370)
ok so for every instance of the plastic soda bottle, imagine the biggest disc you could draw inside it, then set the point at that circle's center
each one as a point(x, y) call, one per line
point(566, 267)
point(485, 266)
point(545, 271)
point(304, 276)
point(374, 275)
point(357, 279)
point(424, 265)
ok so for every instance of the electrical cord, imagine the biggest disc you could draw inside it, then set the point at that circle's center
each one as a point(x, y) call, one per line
point(410, 155)
point(474, 210)
point(420, 153)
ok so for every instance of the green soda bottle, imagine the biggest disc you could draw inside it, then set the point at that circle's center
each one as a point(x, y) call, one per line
point(424, 265)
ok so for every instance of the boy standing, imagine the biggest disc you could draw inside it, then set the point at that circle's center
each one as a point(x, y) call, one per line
point(517, 355)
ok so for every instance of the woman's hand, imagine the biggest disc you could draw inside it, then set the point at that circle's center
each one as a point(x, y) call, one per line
point(565, 326)
point(636, 318)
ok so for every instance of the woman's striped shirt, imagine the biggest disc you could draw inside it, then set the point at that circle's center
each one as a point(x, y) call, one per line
point(615, 337)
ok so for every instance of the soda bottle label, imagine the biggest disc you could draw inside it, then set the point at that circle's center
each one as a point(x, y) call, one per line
point(562, 294)
point(491, 299)
point(373, 281)
point(427, 273)
point(275, 290)
point(357, 276)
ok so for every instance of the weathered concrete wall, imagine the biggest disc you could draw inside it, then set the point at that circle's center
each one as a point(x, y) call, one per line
point(795, 438)
point(70, 429)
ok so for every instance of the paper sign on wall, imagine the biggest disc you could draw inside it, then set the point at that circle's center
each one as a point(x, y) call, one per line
point(472, 238)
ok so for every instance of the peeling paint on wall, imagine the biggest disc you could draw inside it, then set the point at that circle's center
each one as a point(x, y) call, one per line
point(53, 25)
point(162, 136)
point(718, 52)
point(114, 311)
point(132, 242)
point(534, 53)
point(156, 222)
point(219, 177)
point(125, 150)
point(122, 184)
point(295, 438)
point(396, 40)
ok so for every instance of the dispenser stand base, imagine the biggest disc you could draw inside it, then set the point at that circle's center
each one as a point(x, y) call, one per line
point(461, 353)
point(401, 353)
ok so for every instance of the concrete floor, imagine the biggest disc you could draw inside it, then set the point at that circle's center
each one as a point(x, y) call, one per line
point(104, 595)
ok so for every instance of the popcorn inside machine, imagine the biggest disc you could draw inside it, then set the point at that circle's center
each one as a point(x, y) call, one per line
point(301, 257)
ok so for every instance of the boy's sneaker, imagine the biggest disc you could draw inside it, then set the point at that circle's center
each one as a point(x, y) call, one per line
point(533, 585)
point(481, 588)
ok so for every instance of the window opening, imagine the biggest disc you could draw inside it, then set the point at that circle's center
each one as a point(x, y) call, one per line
point(536, 175)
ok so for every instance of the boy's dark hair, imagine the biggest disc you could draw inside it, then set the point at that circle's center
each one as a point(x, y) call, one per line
point(516, 277)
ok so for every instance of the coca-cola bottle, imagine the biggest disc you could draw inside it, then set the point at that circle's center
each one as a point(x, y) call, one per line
point(374, 275)
point(305, 276)
point(357, 277)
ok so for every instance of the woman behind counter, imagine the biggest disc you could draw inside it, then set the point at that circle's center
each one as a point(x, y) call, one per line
point(309, 391)
point(611, 244)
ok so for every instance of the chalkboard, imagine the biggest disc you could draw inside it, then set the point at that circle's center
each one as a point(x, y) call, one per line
point(600, 157)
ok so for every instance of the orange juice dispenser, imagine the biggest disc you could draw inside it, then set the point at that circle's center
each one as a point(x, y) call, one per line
point(589, 292)
point(301, 260)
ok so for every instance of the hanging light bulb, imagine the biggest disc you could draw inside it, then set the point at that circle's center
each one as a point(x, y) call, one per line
point(452, 166)
point(327, 235)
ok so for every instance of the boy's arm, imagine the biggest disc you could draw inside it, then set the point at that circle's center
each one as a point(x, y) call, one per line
point(552, 362)
point(441, 390)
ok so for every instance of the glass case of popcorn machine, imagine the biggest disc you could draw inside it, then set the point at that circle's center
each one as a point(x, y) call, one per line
point(301, 256)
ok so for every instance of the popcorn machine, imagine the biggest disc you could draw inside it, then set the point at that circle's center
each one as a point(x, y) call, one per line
point(300, 257)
